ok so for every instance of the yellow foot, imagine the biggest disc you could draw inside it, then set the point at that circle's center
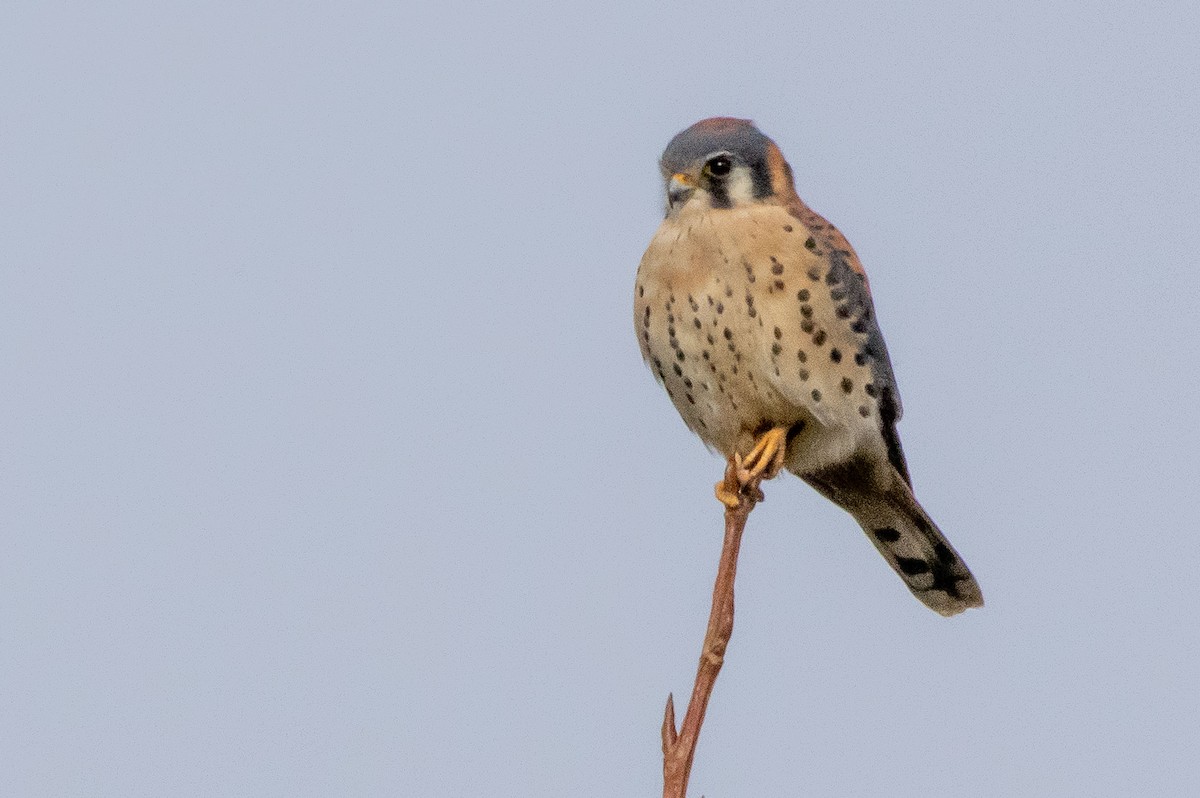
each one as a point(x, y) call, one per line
point(742, 475)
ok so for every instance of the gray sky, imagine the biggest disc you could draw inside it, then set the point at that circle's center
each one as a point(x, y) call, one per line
point(329, 466)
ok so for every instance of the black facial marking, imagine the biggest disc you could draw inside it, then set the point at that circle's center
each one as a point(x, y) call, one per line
point(761, 177)
point(718, 194)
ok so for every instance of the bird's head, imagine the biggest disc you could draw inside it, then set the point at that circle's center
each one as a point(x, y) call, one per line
point(724, 163)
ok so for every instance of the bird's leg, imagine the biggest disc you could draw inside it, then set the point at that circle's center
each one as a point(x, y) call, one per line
point(743, 474)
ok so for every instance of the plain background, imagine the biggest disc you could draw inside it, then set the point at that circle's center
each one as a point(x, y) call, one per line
point(329, 465)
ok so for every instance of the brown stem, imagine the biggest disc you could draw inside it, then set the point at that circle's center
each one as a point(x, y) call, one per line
point(679, 749)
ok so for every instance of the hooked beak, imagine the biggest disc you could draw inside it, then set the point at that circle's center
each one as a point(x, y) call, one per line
point(679, 188)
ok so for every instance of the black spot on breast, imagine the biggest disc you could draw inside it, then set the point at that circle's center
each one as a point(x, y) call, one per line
point(807, 325)
point(776, 267)
point(806, 311)
point(810, 243)
point(780, 285)
point(678, 371)
point(860, 359)
point(697, 323)
point(912, 566)
point(802, 295)
point(801, 356)
point(819, 337)
point(787, 228)
point(887, 534)
point(776, 348)
point(816, 395)
point(679, 354)
point(803, 374)
point(863, 411)
point(778, 333)
point(847, 384)
point(870, 389)
point(835, 355)
point(728, 334)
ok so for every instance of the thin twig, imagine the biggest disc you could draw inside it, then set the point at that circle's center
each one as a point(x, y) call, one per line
point(679, 749)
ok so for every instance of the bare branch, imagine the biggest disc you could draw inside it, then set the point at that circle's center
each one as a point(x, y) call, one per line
point(679, 749)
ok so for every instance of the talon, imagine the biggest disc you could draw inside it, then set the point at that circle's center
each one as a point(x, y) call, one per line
point(766, 459)
point(743, 474)
point(729, 489)
point(731, 499)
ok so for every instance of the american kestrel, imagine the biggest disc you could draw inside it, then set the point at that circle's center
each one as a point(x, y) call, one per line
point(755, 314)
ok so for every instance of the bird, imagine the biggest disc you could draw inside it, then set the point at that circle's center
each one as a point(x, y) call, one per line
point(756, 315)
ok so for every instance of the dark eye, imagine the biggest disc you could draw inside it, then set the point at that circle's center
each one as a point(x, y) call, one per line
point(719, 166)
